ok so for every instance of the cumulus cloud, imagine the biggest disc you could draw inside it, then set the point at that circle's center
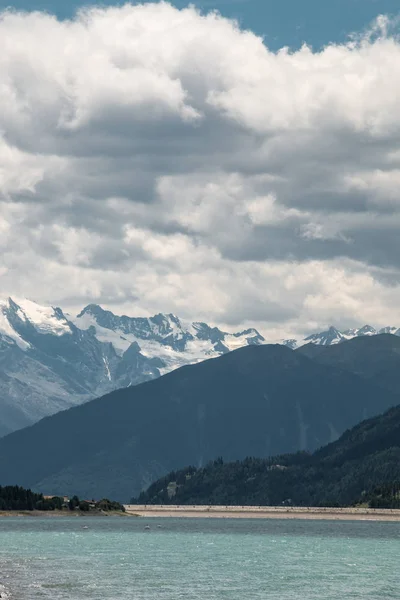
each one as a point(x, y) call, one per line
point(157, 159)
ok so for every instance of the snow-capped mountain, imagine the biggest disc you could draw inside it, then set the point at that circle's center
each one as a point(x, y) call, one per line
point(50, 361)
point(164, 337)
point(334, 336)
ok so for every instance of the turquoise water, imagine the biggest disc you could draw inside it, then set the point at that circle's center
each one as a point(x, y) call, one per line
point(198, 559)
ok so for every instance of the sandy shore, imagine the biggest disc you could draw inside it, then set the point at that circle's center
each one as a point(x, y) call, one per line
point(264, 512)
point(228, 512)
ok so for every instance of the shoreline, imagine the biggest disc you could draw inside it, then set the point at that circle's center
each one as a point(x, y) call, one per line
point(61, 513)
point(227, 512)
point(263, 512)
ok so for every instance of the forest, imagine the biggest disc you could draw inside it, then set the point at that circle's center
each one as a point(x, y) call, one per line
point(16, 498)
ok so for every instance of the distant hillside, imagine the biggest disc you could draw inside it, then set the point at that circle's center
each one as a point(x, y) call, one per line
point(362, 466)
point(374, 358)
point(257, 401)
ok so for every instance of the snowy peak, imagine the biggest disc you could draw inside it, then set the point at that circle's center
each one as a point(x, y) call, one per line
point(165, 325)
point(290, 343)
point(45, 319)
point(7, 332)
point(202, 331)
point(18, 315)
point(159, 327)
point(334, 336)
point(252, 334)
point(391, 330)
point(164, 336)
point(366, 330)
point(326, 338)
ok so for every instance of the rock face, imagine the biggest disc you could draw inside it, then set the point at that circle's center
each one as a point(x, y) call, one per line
point(256, 401)
point(50, 361)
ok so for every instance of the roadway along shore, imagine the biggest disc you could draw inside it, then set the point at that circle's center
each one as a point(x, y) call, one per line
point(264, 512)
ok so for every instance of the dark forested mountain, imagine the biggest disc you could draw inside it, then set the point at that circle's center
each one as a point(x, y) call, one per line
point(362, 466)
point(257, 401)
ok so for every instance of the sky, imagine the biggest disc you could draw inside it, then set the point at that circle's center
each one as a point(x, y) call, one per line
point(280, 22)
point(165, 158)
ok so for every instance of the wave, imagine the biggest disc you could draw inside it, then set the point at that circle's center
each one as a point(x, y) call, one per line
point(3, 592)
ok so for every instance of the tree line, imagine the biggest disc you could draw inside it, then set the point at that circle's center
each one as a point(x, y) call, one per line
point(14, 498)
point(299, 480)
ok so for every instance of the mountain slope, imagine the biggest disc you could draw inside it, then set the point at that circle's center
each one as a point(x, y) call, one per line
point(258, 401)
point(47, 364)
point(374, 358)
point(50, 361)
point(339, 474)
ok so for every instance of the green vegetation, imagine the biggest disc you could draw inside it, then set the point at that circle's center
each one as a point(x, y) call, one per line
point(383, 496)
point(14, 497)
point(359, 468)
point(104, 505)
point(110, 505)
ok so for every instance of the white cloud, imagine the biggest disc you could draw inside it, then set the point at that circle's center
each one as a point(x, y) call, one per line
point(156, 159)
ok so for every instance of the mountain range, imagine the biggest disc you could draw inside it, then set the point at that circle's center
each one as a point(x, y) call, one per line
point(51, 360)
point(260, 400)
point(333, 336)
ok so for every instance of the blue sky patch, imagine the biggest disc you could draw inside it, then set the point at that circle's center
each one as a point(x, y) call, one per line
point(281, 22)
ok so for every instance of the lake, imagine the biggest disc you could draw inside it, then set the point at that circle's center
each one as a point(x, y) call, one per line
point(117, 558)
